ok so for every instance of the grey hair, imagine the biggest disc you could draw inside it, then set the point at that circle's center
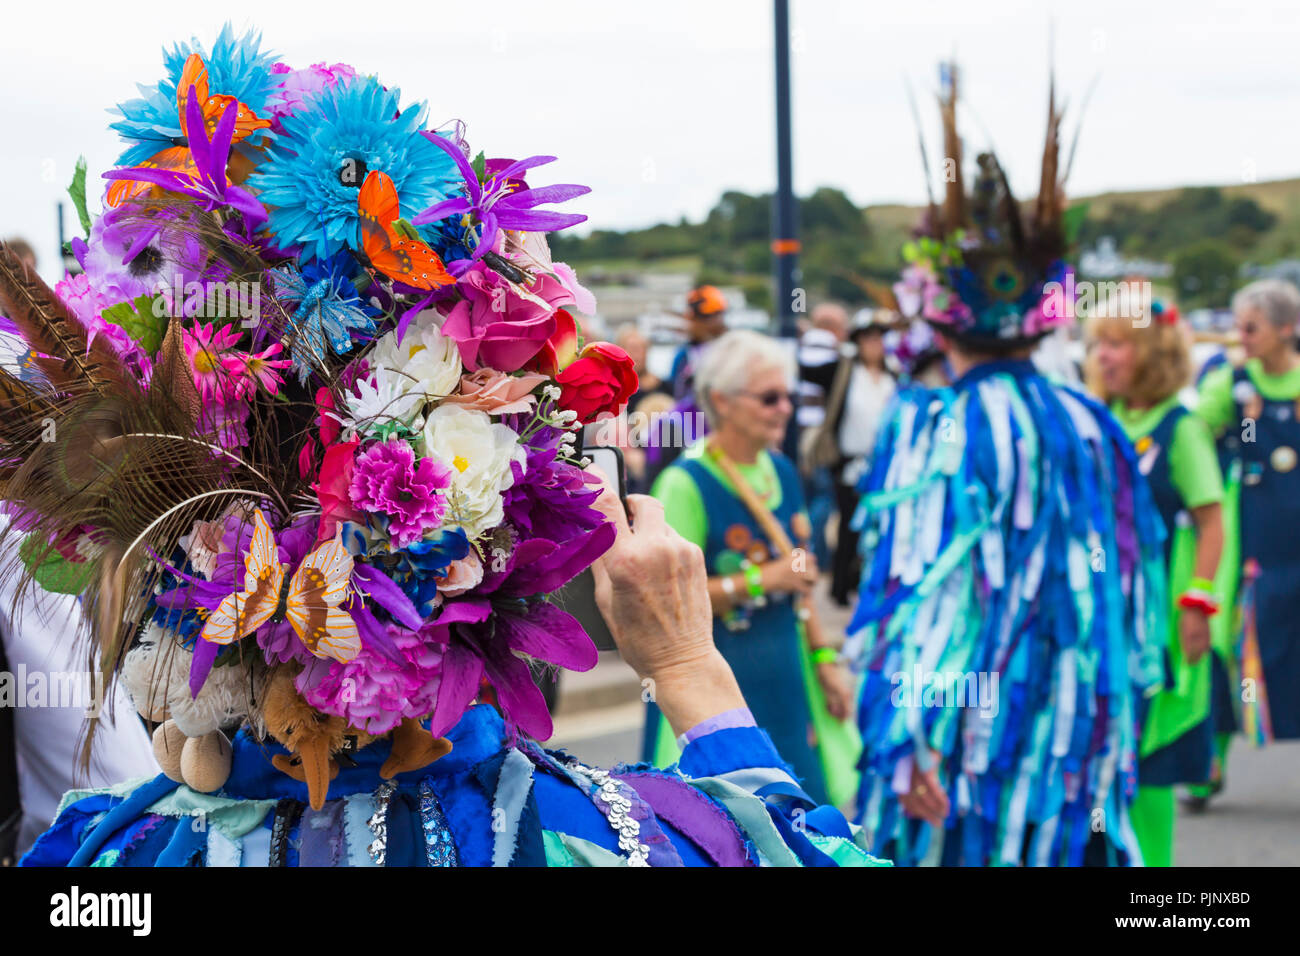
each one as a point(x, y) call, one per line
point(731, 360)
point(1278, 299)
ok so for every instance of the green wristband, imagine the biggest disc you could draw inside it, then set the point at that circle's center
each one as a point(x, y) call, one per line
point(825, 655)
point(754, 580)
point(1201, 584)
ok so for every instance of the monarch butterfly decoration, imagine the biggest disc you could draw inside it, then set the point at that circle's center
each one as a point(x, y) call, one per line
point(392, 245)
point(178, 157)
point(309, 599)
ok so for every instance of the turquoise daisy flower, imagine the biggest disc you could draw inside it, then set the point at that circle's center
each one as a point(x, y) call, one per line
point(236, 67)
point(314, 169)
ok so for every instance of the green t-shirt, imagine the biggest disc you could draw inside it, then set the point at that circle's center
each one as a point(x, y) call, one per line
point(1193, 463)
point(683, 503)
point(1215, 403)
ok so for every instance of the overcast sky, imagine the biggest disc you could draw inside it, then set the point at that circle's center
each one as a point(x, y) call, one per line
point(660, 106)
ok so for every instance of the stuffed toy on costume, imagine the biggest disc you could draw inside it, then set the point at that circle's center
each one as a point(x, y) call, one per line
point(1012, 603)
point(303, 436)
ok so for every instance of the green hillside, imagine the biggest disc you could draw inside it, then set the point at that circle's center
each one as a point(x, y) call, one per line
point(1205, 232)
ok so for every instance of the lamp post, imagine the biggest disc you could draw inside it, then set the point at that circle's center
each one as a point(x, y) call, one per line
point(785, 225)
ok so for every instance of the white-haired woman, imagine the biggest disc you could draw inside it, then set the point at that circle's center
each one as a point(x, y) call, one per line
point(737, 498)
point(1254, 411)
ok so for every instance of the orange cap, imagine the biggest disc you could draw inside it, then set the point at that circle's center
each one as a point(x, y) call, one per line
point(705, 301)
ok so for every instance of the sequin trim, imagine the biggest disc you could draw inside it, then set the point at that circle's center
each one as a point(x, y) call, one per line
point(378, 823)
point(609, 791)
point(439, 846)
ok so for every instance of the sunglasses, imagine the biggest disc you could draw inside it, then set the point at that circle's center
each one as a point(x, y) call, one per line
point(771, 398)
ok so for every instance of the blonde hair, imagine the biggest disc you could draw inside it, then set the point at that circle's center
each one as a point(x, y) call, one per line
point(1163, 361)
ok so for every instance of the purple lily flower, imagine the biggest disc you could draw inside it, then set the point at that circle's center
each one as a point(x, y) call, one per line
point(506, 619)
point(504, 201)
point(211, 188)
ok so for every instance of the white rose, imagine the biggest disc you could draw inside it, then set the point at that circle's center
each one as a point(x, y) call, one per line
point(479, 454)
point(427, 360)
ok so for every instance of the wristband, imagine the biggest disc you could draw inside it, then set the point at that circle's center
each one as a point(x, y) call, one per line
point(825, 655)
point(1199, 598)
point(754, 581)
point(729, 588)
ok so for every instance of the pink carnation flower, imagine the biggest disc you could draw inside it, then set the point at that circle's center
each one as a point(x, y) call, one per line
point(387, 480)
point(373, 693)
point(299, 85)
point(86, 304)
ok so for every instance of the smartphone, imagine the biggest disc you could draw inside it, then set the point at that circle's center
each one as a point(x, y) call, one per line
point(578, 597)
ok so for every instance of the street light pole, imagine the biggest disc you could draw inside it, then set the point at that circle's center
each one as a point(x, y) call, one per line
point(785, 226)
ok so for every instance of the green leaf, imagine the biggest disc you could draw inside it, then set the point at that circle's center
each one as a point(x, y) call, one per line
point(479, 166)
point(140, 320)
point(1072, 222)
point(77, 190)
point(53, 572)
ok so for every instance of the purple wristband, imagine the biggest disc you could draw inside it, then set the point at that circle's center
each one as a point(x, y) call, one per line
point(727, 720)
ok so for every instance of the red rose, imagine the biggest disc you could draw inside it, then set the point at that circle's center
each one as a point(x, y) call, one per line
point(558, 350)
point(599, 383)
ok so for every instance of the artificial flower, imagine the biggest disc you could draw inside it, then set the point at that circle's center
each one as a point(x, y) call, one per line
point(374, 692)
point(559, 349)
point(388, 480)
point(462, 576)
point(211, 187)
point(502, 200)
point(314, 169)
point(497, 393)
point(207, 349)
point(428, 360)
point(480, 454)
point(499, 324)
point(598, 383)
point(295, 87)
point(380, 404)
point(334, 487)
point(236, 67)
point(257, 369)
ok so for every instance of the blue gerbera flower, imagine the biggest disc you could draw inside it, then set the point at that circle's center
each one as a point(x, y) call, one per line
point(236, 67)
point(314, 170)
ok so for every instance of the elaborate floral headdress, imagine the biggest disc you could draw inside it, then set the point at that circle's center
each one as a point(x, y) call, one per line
point(981, 269)
point(303, 434)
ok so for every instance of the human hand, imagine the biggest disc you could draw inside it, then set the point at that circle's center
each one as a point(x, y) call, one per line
point(784, 576)
point(926, 798)
point(652, 588)
point(837, 688)
point(1194, 634)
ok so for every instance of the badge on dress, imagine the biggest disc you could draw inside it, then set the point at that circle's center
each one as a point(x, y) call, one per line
point(1283, 458)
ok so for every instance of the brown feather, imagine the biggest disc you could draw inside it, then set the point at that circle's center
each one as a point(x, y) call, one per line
point(1049, 206)
point(954, 197)
point(53, 333)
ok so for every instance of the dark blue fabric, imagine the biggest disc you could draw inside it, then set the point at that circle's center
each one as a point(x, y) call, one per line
point(1270, 515)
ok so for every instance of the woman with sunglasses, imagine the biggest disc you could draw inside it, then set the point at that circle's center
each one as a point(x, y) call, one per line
point(737, 498)
point(1254, 411)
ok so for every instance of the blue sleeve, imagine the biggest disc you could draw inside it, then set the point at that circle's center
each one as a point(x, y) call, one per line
point(747, 758)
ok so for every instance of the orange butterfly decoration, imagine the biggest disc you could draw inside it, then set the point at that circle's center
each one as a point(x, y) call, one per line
point(310, 601)
point(395, 254)
point(178, 158)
